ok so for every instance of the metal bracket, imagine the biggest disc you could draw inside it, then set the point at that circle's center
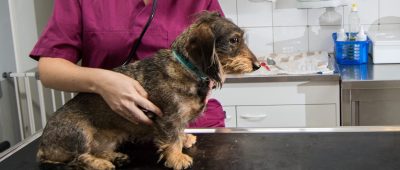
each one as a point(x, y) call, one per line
point(4, 145)
point(6, 75)
point(37, 77)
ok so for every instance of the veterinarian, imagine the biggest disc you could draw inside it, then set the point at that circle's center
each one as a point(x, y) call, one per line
point(100, 35)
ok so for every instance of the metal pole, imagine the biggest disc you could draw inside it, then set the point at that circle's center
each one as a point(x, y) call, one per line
point(41, 103)
point(21, 127)
point(62, 97)
point(53, 100)
point(30, 106)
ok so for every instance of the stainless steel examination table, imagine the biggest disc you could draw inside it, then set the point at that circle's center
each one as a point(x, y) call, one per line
point(262, 148)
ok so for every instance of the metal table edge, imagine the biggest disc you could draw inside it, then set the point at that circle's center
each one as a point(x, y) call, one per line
point(7, 153)
point(297, 130)
point(341, 129)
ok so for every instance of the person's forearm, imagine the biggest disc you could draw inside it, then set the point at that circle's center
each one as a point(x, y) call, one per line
point(123, 94)
point(64, 75)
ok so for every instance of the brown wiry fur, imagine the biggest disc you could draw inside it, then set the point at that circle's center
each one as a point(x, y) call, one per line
point(85, 132)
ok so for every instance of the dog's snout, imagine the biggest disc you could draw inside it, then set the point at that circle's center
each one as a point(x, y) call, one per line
point(256, 66)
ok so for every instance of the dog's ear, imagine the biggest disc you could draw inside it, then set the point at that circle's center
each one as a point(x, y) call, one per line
point(201, 49)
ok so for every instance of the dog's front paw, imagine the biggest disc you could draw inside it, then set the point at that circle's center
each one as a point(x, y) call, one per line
point(121, 159)
point(179, 161)
point(189, 140)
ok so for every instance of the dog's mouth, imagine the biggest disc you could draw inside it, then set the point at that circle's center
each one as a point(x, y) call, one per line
point(240, 67)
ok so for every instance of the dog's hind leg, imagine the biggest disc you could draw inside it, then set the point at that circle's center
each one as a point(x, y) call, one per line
point(90, 162)
point(62, 141)
point(54, 155)
point(119, 159)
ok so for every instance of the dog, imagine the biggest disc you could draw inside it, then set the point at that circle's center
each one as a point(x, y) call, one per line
point(85, 132)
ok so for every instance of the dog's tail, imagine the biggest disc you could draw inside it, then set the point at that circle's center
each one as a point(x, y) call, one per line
point(49, 165)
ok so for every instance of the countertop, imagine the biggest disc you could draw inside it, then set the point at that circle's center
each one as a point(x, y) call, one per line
point(370, 76)
point(264, 148)
point(351, 76)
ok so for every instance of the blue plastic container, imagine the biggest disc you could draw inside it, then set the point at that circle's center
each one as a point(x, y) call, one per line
point(351, 52)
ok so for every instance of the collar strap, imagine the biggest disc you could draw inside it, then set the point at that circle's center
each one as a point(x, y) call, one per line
point(189, 65)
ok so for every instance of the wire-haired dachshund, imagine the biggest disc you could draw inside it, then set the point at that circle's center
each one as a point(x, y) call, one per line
point(85, 132)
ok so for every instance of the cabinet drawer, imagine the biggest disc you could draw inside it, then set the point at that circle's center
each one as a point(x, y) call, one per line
point(287, 116)
point(278, 93)
point(230, 116)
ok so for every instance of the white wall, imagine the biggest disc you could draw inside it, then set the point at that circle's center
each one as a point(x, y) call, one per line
point(282, 28)
point(22, 21)
point(8, 115)
point(43, 11)
point(24, 31)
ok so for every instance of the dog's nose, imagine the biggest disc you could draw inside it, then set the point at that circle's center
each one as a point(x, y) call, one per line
point(256, 66)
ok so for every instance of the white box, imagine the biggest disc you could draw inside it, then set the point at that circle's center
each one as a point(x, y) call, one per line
point(386, 47)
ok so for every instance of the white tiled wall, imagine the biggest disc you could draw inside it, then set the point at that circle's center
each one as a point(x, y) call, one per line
point(271, 28)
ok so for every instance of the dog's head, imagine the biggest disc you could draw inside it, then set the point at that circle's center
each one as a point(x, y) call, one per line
point(216, 46)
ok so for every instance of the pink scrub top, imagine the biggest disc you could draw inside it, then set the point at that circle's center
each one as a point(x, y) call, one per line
point(101, 33)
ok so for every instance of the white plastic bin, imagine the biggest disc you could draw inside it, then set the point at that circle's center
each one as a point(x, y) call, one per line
point(386, 47)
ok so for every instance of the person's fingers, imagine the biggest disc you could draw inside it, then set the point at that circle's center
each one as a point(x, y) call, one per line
point(129, 116)
point(139, 88)
point(147, 105)
point(138, 115)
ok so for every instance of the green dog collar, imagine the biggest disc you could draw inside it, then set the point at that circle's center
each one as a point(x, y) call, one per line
point(185, 62)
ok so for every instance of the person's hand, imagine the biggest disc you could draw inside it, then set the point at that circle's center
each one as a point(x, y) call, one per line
point(125, 96)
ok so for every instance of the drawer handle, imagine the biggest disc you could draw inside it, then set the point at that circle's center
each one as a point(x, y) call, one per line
point(253, 116)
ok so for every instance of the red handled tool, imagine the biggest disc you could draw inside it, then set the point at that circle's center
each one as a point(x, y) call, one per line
point(265, 66)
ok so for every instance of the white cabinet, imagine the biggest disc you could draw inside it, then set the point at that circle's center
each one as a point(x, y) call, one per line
point(281, 104)
point(230, 116)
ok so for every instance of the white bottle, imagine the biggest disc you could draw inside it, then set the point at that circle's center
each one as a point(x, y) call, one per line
point(354, 22)
point(341, 35)
point(361, 35)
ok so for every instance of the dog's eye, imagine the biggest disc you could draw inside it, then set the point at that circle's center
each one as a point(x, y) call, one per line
point(234, 40)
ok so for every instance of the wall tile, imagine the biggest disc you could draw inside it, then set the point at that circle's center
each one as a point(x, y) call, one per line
point(389, 11)
point(383, 28)
point(367, 28)
point(260, 40)
point(254, 13)
point(367, 10)
point(289, 29)
point(229, 8)
point(320, 38)
point(290, 39)
point(319, 16)
point(290, 17)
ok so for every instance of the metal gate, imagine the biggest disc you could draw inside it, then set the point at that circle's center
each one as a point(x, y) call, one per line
point(34, 102)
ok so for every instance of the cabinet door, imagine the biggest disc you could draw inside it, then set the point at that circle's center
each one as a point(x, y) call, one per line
point(379, 113)
point(287, 116)
point(230, 116)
